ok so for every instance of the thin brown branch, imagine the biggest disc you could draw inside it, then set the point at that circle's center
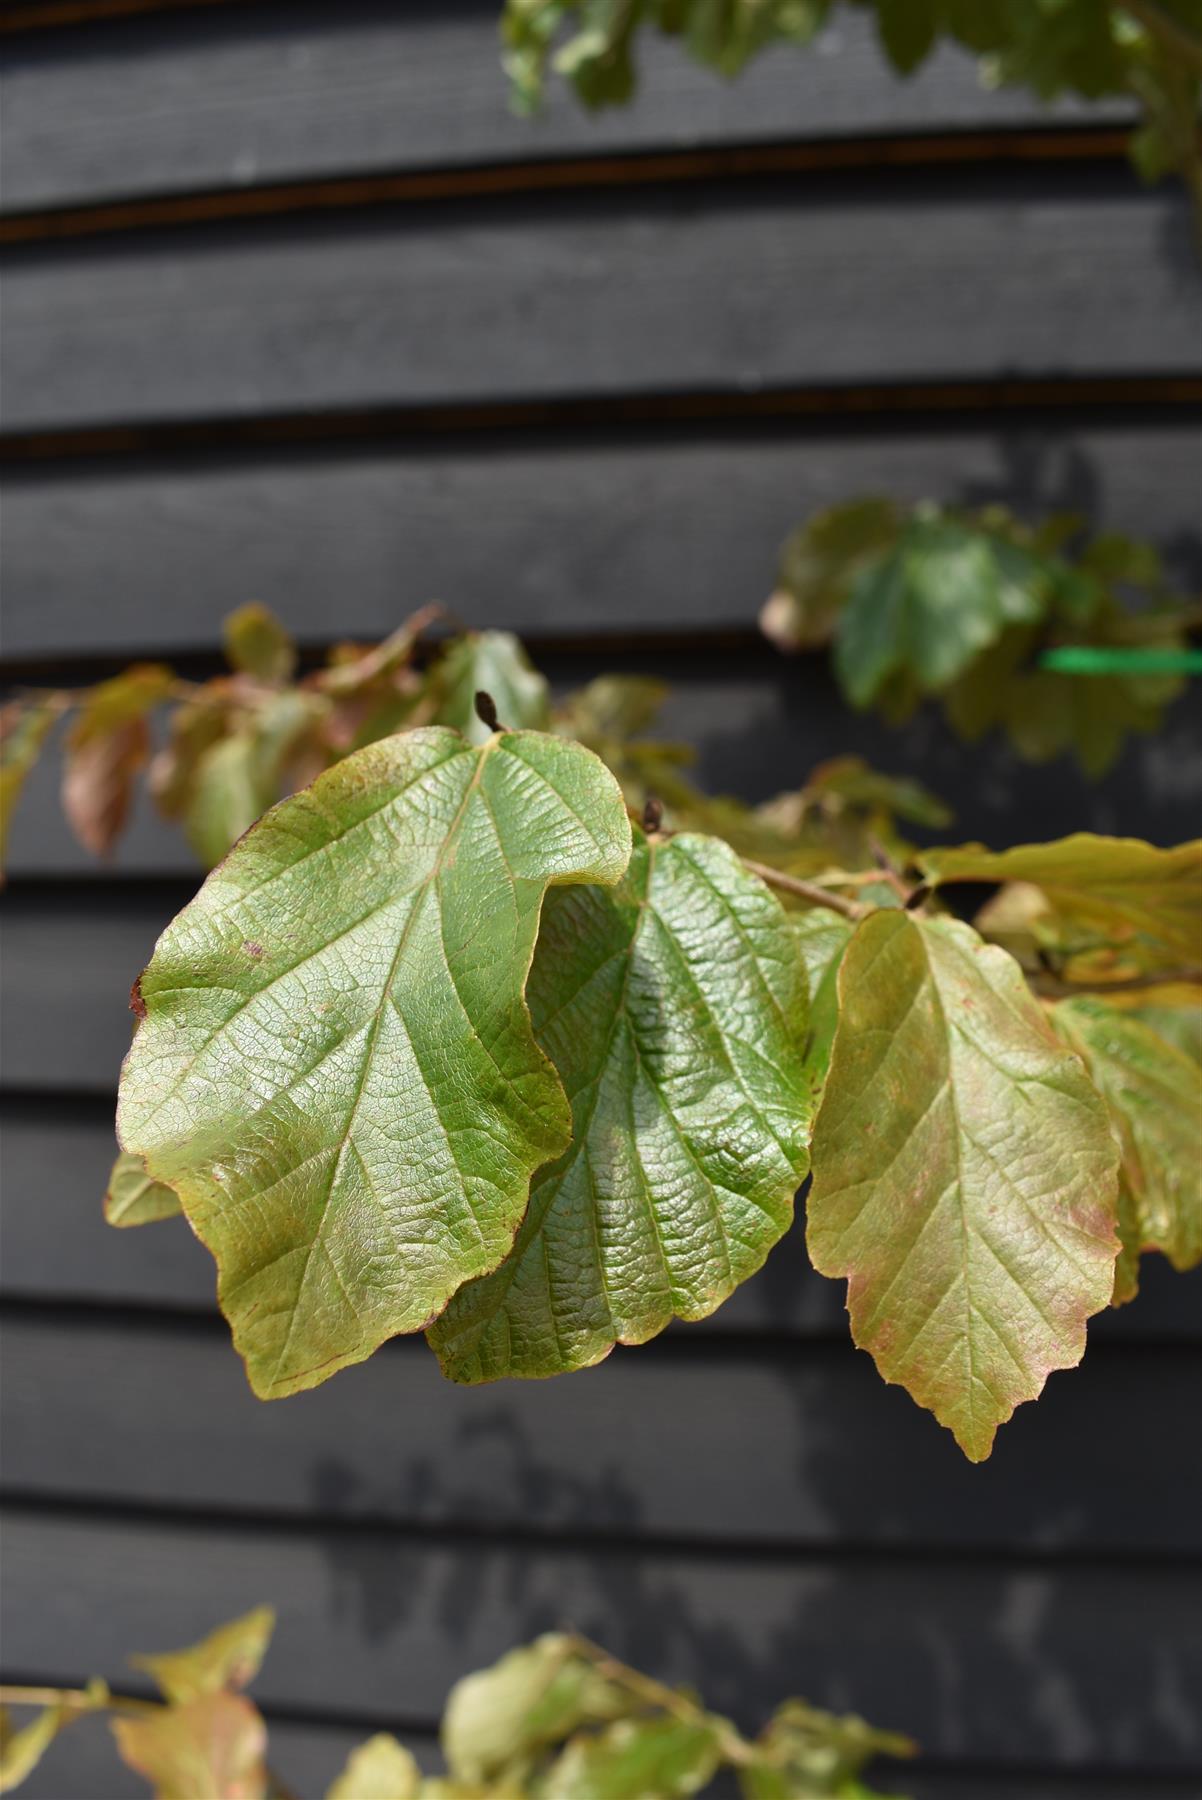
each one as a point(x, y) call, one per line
point(804, 890)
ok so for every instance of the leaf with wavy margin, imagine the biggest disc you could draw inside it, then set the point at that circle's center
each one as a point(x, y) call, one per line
point(674, 1008)
point(336, 1070)
point(965, 1175)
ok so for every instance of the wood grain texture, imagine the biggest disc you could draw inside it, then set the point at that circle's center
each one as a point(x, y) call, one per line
point(620, 1452)
point(731, 287)
point(562, 533)
point(229, 99)
point(1000, 1662)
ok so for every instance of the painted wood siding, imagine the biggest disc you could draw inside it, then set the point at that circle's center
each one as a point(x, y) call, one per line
point(295, 310)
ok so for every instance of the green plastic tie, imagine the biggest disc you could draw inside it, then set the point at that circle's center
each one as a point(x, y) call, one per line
point(1093, 659)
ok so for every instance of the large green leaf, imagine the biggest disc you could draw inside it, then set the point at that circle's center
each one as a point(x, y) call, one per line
point(1154, 1093)
point(656, 1759)
point(335, 1069)
point(498, 1721)
point(965, 1175)
point(210, 1748)
point(229, 1657)
point(134, 1198)
point(674, 1009)
point(1120, 886)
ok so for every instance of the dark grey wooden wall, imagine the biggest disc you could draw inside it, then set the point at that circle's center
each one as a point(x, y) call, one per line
point(295, 310)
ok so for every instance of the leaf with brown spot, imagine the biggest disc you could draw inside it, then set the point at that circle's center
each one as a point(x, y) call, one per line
point(107, 745)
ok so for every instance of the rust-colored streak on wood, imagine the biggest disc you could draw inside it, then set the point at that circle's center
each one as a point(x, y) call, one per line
point(667, 168)
point(902, 399)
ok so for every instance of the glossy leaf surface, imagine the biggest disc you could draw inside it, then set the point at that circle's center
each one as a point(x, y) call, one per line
point(336, 1070)
point(965, 1175)
point(674, 1009)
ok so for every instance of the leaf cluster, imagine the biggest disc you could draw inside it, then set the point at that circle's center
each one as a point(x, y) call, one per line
point(558, 1719)
point(993, 619)
point(448, 1043)
point(1149, 50)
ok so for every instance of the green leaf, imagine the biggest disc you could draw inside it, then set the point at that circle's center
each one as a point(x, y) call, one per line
point(924, 611)
point(257, 644)
point(23, 1747)
point(1154, 1094)
point(237, 777)
point(24, 728)
point(965, 1175)
point(210, 1748)
point(380, 1769)
point(907, 29)
point(492, 662)
point(817, 567)
point(655, 1758)
point(822, 937)
point(229, 1657)
point(1120, 886)
point(134, 1198)
point(501, 1718)
point(848, 782)
point(336, 1071)
point(674, 1009)
point(808, 1754)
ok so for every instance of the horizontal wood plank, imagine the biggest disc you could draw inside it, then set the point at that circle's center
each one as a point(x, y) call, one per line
point(566, 533)
point(54, 1162)
point(1086, 1666)
point(732, 288)
point(229, 99)
point(624, 1450)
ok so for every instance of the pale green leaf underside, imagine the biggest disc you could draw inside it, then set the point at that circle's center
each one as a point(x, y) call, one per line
point(336, 1070)
point(964, 1175)
point(380, 1769)
point(499, 1720)
point(674, 1010)
point(135, 1198)
point(1154, 1092)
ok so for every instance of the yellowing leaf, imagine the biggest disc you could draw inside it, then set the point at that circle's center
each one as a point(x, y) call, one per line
point(228, 1657)
point(380, 1769)
point(258, 645)
point(1119, 885)
point(133, 1198)
point(674, 1010)
point(500, 1718)
point(24, 727)
point(336, 1071)
point(965, 1175)
point(23, 1747)
point(1154, 1093)
point(655, 1759)
point(210, 1748)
